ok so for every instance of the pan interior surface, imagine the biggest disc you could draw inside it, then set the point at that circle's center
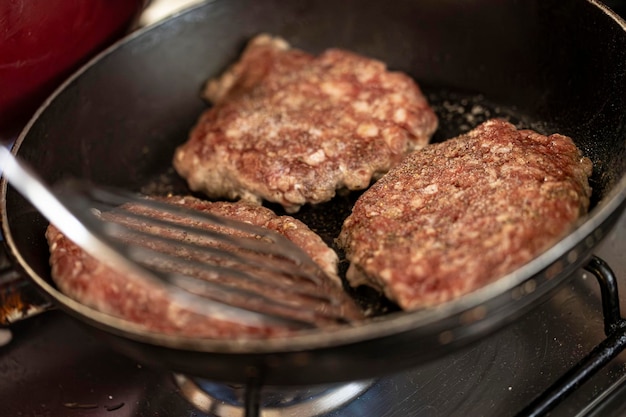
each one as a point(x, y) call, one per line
point(548, 65)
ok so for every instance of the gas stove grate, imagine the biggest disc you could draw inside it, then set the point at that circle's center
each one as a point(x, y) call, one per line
point(601, 355)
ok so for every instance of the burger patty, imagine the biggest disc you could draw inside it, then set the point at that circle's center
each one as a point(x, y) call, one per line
point(460, 214)
point(292, 128)
point(93, 283)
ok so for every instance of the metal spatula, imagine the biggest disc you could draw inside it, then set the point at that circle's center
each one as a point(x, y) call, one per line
point(218, 266)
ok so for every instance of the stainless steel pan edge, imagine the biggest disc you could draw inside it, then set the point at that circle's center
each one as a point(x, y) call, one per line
point(415, 337)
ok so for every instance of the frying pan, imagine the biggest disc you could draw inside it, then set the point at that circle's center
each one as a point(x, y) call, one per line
point(545, 64)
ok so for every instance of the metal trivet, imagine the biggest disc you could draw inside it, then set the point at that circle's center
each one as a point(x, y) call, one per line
point(601, 355)
point(223, 400)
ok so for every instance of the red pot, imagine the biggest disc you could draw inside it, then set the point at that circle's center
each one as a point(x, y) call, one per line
point(42, 42)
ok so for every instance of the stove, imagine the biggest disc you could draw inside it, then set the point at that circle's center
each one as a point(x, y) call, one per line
point(52, 365)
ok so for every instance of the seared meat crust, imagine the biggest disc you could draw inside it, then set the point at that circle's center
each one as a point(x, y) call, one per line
point(95, 284)
point(458, 215)
point(292, 128)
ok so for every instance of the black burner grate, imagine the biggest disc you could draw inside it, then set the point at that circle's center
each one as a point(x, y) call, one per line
point(602, 354)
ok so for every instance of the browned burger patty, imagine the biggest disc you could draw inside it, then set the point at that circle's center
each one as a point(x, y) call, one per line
point(458, 215)
point(95, 284)
point(292, 128)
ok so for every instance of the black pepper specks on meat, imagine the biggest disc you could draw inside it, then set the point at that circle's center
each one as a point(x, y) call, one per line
point(460, 214)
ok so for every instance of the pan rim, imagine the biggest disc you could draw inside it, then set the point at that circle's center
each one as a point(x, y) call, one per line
point(368, 330)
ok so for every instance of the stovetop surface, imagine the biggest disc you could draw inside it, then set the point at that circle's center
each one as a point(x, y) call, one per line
point(55, 366)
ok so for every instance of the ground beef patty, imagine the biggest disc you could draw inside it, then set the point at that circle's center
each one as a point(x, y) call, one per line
point(460, 214)
point(93, 283)
point(291, 128)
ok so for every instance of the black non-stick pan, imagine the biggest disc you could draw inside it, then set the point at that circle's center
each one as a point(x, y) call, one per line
point(551, 65)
